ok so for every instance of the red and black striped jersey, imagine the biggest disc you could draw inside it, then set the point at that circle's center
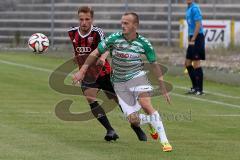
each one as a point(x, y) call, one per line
point(84, 44)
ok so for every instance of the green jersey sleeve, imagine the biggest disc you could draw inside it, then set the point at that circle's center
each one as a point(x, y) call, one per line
point(107, 44)
point(149, 50)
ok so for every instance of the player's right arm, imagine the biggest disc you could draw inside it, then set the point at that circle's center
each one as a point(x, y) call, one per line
point(79, 76)
point(197, 20)
point(102, 48)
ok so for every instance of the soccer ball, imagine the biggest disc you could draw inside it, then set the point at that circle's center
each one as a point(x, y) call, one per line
point(38, 43)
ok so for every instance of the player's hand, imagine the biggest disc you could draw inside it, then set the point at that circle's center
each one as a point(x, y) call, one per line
point(77, 77)
point(164, 90)
point(100, 62)
point(167, 97)
point(191, 43)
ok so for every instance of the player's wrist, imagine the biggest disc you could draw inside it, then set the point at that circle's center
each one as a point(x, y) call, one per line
point(192, 40)
point(160, 78)
point(84, 68)
point(102, 58)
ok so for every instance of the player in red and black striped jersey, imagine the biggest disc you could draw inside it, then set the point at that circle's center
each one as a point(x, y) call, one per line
point(83, 45)
point(85, 39)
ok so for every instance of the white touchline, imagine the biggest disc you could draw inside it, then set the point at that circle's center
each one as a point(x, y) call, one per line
point(37, 112)
point(27, 112)
point(206, 100)
point(175, 94)
point(224, 115)
point(213, 93)
point(26, 66)
point(30, 67)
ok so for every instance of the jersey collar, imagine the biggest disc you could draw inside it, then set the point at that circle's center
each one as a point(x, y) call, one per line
point(131, 40)
point(83, 36)
point(191, 5)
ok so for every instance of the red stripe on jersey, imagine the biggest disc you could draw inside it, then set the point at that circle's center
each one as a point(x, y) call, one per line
point(214, 26)
point(71, 35)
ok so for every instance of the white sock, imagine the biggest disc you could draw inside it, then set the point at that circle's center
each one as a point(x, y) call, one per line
point(156, 122)
point(144, 119)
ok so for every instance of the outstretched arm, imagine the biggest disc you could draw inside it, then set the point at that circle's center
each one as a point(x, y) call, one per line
point(79, 76)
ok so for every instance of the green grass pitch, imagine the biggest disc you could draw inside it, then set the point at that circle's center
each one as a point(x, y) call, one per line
point(199, 128)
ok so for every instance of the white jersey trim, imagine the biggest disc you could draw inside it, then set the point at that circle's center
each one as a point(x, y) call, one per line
point(83, 36)
point(93, 28)
point(72, 29)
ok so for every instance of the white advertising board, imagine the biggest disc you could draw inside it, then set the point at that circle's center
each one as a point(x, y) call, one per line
point(237, 33)
point(217, 33)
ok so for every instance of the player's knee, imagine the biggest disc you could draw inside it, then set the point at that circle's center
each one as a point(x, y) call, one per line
point(143, 103)
point(90, 100)
point(134, 119)
point(196, 64)
point(90, 95)
point(146, 105)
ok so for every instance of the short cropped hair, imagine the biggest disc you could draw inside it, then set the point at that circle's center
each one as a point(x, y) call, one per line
point(135, 16)
point(86, 9)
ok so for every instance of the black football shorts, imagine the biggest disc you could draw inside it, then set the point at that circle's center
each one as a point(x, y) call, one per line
point(196, 51)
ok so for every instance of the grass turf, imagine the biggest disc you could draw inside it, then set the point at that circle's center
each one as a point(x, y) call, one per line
point(202, 128)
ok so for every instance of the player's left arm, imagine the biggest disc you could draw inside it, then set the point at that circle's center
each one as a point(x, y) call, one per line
point(102, 59)
point(196, 31)
point(151, 57)
point(158, 72)
point(104, 49)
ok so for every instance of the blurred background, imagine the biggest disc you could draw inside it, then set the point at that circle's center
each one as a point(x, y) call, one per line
point(159, 22)
point(202, 127)
point(19, 19)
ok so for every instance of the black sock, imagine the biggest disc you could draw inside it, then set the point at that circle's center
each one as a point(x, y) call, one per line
point(137, 129)
point(100, 114)
point(139, 132)
point(199, 78)
point(191, 74)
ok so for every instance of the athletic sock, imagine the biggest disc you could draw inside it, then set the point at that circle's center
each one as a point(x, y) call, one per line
point(144, 119)
point(139, 132)
point(156, 122)
point(191, 74)
point(158, 125)
point(100, 114)
point(137, 129)
point(199, 78)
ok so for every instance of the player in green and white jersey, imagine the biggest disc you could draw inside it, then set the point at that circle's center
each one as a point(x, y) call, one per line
point(126, 55)
point(129, 79)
